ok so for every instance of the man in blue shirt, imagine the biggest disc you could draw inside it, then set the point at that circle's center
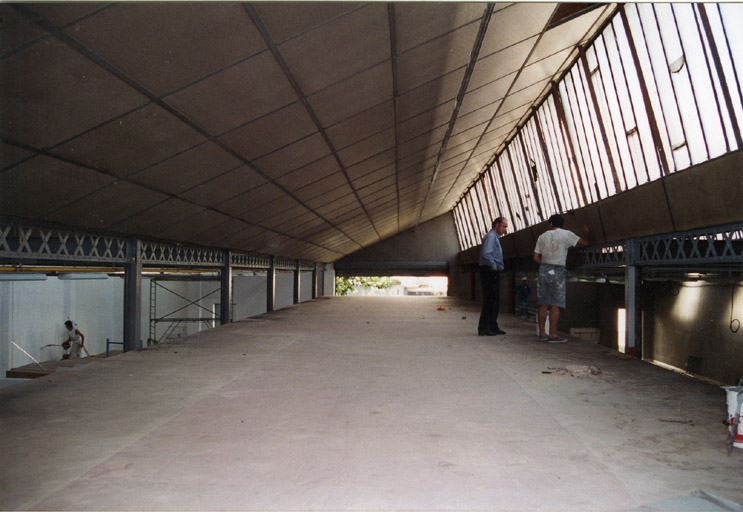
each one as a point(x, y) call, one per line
point(491, 265)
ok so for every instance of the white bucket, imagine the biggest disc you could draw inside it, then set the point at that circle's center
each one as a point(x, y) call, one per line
point(732, 393)
point(546, 325)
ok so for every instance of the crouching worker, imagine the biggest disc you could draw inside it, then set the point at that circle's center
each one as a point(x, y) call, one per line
point(74, 343)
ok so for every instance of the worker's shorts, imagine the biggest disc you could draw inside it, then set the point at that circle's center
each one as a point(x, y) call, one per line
point(75, 350)
point(551, 285)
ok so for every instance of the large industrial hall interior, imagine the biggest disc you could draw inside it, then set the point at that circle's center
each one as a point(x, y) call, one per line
point(219, 222)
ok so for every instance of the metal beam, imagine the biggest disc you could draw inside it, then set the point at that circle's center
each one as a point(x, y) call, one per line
point(720, 245)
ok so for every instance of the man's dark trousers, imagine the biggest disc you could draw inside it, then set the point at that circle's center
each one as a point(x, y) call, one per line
point(490, 280)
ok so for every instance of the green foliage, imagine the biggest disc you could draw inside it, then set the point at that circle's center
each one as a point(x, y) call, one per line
point(345, 285)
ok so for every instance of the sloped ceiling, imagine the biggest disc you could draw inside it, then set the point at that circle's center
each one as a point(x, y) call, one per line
point(307, 130)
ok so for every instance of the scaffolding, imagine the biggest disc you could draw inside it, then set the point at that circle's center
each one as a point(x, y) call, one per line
point(171, 321)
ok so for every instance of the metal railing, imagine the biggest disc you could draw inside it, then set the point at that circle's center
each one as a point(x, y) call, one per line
point(722, 245)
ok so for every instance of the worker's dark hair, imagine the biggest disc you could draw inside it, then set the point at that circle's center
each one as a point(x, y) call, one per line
point(498, 220)
point(68, 323)
point(557, 220)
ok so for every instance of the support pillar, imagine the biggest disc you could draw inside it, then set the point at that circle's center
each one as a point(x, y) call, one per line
point(314, 280)
point(297, 281)
point(271, 285)
point(631, 274)
point(225, 291)
point(132, 296)
point(630, 307)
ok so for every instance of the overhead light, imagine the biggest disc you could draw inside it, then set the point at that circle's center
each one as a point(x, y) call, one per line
point(22, 276)
point(82, 275)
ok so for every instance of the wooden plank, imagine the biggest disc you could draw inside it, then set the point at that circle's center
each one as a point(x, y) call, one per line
point(34, 371)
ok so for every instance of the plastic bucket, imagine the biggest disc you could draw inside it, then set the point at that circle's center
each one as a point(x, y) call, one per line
point(732, 393)
point(546, 325)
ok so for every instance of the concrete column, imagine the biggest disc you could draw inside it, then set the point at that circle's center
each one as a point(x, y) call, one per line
point(631, 273)
point(6, 328)
point(225, 292)
point(630, 307)
point(297, 281)
point(314, 281)
point(271, 285)
point(132, 296)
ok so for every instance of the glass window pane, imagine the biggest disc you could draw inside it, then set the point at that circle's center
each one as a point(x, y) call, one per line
point(486, 202)
point(482, 224)
point(725, 20)
point(559, 154)
point(487, 186)
point(500, 193)
point(493, 187)
point(704, 91)
point(466, 223)
point(685, 96)
point(512, 192)
point(688, 84)
point(581, 132)
point(524, 181)
point(726, 82)
point(652, 55)
point(475, 220)
point(458, 228)
point(474, 215)
point(546, 198)
point(642, 145)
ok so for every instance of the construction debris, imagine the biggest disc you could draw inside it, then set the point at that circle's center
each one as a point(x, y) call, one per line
point(575, 371)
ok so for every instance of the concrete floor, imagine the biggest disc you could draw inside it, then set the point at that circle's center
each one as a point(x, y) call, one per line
point(367, 404)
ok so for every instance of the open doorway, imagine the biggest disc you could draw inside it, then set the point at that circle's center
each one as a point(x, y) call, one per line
point(393, 286)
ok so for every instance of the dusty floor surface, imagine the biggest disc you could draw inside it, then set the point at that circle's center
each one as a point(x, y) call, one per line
point(366, 404)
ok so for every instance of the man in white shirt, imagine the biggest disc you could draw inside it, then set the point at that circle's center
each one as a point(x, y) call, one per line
point(74, 343)
point(551, 252)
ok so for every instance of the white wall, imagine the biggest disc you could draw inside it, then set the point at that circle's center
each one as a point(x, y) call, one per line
point(32, 314)
point(327, 278)
point(249, 295)
point(284, 290)
point(305, 286)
